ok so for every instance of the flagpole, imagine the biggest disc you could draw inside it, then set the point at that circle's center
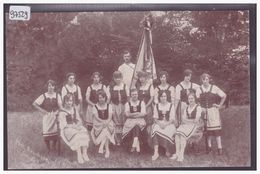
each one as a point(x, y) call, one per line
point(145, 59)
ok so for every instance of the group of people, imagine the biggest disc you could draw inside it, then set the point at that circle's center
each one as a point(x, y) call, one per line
point(137, 118)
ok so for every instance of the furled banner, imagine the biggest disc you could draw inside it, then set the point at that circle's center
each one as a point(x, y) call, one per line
point(145, 58)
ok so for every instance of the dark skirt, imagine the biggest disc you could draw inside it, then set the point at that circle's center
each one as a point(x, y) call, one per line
point(166, 144)
point(214, 132)
point(136, 132)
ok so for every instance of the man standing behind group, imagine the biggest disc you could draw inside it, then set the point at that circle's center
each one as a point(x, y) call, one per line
point(127, 68)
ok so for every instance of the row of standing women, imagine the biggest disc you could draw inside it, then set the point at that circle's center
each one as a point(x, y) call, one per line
point(137, 119)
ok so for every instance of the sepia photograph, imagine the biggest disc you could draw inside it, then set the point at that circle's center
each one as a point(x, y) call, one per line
point(122, 86)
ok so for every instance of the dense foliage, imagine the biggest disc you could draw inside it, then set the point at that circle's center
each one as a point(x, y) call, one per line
point(52, 44)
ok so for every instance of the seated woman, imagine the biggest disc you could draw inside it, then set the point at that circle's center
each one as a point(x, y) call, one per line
point(191, 128)
point(163, 128)
point(134, 125)
point(73, 133)
point(92, 98)
point(103, 130)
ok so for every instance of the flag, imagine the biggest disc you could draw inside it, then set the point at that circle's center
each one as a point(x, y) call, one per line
point(145, 58)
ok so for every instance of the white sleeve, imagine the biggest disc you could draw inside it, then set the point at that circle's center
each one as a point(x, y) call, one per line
point(105, 89)
point(172, 92)
point(88, 92)
point(39, 100)
point(152, 91)
point(79, 93)
point(198, 92)
point(127, 108)
point(178, 92)
point(156, 99)
point(196, 86)
point(63, 92)
point(155, 112)
point(127, 90)
point(198, 114)
point(110, 111)
point(172, 113)
point(59, 100)
point(120, 68)
point(108, 92)
point(219, 92)
point(143, 107)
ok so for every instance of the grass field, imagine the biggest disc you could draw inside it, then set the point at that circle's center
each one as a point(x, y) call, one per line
point(26, 149)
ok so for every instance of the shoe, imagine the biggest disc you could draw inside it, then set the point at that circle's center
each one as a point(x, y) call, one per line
point(132, 149)
point(155, 156)
point(208, 150)
point(180, 159)
point(85, 157)
point(80, 160)
point(101, 151)
point(220, 151)
point(107, 154)
point(196, 150)
point(168, 154)
point(174, 157)
point(138, 148)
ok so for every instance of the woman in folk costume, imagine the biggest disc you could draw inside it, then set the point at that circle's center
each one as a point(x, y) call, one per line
point(71, 87)
point(103, 131)
point(164, 86)
point(92, 97)
point(72, 131)
point(207, 95)
point(191, 128)
point(146, 94)
point(118, 95)
point(181, 92)
point(135, 112)
point(164, 128)
point(49, 103)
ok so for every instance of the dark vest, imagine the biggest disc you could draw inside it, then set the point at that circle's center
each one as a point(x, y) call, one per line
point(207, 99)
point(184, 92)
point(144, 95)
point(75, 94)
point(162, 116)
point(103, 113)
point(134, 109)
point(115, 95)
point(193, 113)
point(50, 104)
point(93, 94)
point(167, 91)
point(71, 118)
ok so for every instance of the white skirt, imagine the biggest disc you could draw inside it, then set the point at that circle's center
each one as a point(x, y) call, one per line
point(213, 118)
point(49, 124)
point(75, 136)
